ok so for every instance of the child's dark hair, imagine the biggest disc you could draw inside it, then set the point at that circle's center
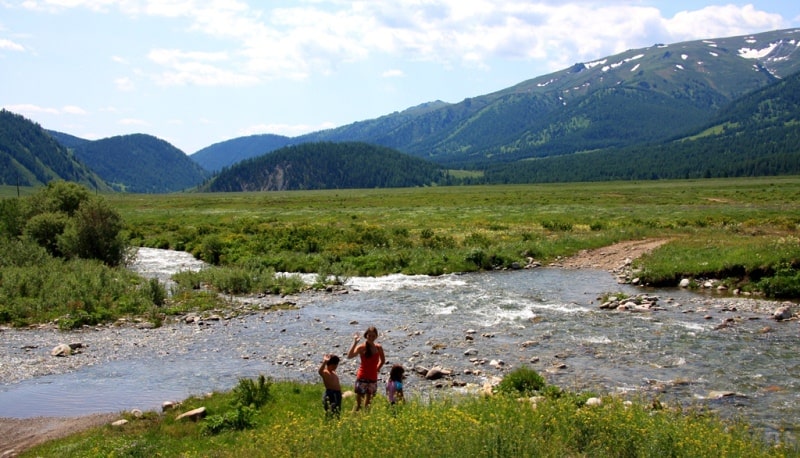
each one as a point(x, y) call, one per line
point(370, 348)
point(333, 360)
point(396, 373)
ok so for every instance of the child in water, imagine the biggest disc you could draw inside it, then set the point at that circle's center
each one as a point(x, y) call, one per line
point(394, 386)
point(332, 399)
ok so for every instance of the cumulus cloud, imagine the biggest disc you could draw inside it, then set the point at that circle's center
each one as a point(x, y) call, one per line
point(32, 109)
point(10, 45)
point(297, 40)
point(132, 122)
point(393, 74)
point(73, 110)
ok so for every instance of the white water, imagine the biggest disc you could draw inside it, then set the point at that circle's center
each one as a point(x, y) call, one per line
point(605, 351)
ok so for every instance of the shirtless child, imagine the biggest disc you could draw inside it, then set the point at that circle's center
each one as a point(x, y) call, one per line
point(332, 399)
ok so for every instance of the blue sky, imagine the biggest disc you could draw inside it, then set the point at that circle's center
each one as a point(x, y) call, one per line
point(195, 72)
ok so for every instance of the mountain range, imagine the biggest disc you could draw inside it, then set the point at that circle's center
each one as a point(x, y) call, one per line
point(656, 104)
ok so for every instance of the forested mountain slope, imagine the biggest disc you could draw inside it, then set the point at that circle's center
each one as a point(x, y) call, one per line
point(327, 165)
point(757, 135)
point(219, 155)
point(29, 156)
point(141, 163)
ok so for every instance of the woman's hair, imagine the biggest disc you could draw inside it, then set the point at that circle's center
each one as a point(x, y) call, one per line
point(396, 373)
point(370, 348)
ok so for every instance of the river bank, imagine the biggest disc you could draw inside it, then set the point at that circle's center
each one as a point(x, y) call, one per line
point(288, 343)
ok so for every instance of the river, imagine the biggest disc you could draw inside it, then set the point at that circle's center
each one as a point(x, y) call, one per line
point(545, 318)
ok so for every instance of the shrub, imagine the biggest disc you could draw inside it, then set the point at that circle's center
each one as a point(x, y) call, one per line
point(523, 380)
point(95, 232)
point(238, 419)
point(251, 392)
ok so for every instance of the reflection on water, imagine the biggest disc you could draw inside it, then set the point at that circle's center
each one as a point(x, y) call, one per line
point(675, 354)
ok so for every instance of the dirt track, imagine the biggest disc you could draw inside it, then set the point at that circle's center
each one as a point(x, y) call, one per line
point(611, 257)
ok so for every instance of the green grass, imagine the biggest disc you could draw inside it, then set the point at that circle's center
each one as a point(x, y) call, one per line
point(292, 423)
point(742, 231)
point(454, 229)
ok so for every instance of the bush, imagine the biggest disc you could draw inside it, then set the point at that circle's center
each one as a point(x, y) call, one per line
point(522, 381)
point(238, 419)
point(784, 284)
point(95, 232)
point(251, 392)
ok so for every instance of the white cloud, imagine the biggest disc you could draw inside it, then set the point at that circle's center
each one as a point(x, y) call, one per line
point(298, 39)
point(197, 68)
point(393, 74)
point(720, 21)
point(74, 110)
point(26, 108)
point(132, 122)
point(124, 84)
point(10, 45)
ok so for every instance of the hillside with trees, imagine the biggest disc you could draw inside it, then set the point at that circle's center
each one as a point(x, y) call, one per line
point(327, 165)
point(756, 135)
point(141, 163)
point(31, 157)
point(219, 155)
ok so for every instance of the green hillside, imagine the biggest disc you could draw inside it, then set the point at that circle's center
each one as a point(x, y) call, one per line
point(141, 163)
point(220, 155)
point(757, 135)
point(639, 96)
point(31, 157)
point(327, 166)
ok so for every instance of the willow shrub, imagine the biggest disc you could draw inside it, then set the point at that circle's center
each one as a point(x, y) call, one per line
point(74, 293)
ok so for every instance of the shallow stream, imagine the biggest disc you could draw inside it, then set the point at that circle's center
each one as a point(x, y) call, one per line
point(545, 318)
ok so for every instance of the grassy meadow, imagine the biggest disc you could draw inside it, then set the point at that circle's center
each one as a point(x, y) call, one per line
point(289, 421)
point(738, 230)
point(742, 231)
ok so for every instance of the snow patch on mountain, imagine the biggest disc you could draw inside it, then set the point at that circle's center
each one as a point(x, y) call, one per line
point(751, 53)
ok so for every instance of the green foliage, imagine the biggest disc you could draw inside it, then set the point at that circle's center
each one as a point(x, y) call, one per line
point(45, 229)
point(327, 166)
point(31, 157)
point(249, 392)
point(248, 396)
point(69, 222)
point(95, 232)
point(73, 293)
point(448, 426)
point(784, 284)
point(140, 163)
point(239, 418)
point(521, 381)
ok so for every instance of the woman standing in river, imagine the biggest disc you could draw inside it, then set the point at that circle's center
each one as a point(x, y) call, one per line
point(372, 359)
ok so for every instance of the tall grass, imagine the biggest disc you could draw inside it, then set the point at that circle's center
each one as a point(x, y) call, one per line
point(455, 229)
point(292, 423)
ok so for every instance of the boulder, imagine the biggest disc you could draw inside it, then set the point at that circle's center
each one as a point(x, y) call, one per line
point(434, 373)
point(783, 312)
point(193, 415)
point(61, 350)
point(685, 282)
point(119, 423)
point(592, 402)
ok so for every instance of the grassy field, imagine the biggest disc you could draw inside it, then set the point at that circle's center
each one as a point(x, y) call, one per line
point(744, 231)
point(290, 422)
point(736, 229)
